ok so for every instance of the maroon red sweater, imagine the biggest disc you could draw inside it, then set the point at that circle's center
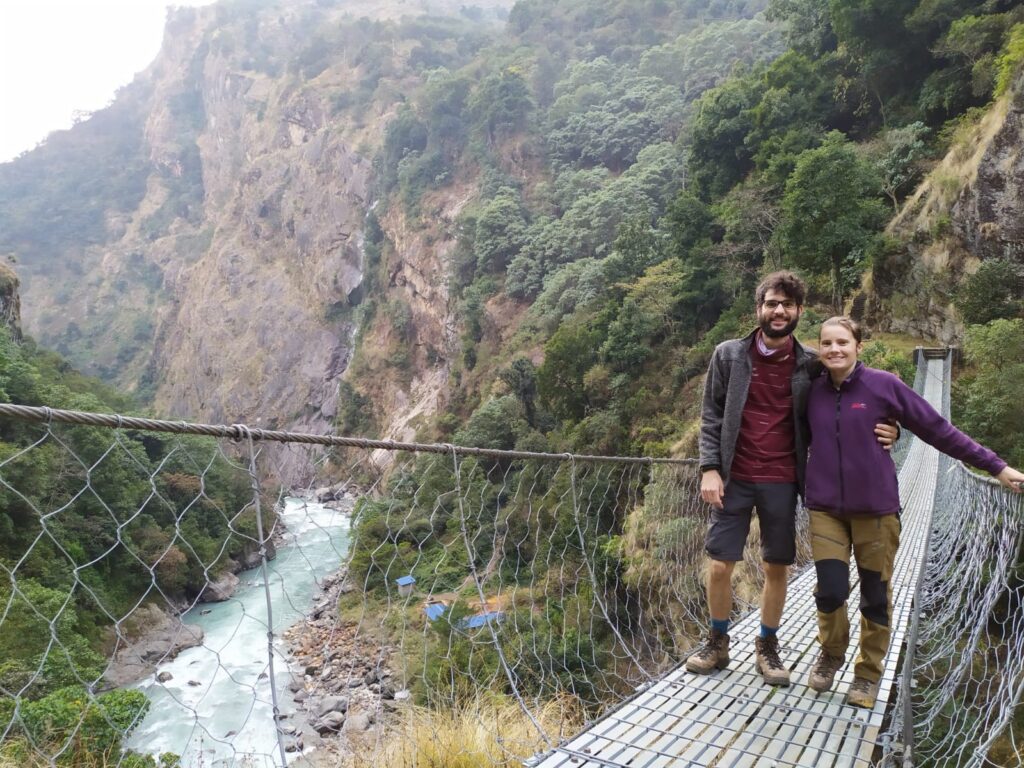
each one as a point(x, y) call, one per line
point(765, 450)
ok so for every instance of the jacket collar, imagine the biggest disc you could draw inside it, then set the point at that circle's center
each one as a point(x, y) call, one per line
point(852, 378)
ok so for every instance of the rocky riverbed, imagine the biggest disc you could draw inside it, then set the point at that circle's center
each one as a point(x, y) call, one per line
point(341, 680)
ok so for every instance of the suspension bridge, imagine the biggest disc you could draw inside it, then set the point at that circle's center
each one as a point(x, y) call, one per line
point(562, 589)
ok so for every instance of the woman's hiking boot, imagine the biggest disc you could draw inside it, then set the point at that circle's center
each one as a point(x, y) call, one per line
point(823, 673)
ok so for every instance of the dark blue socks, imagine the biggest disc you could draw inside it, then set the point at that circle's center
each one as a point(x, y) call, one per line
point(767, 631)
point(721, 627)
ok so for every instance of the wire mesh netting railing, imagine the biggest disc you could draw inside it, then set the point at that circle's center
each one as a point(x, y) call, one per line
point(959, 704)
point(159, 605)
point(162, 604)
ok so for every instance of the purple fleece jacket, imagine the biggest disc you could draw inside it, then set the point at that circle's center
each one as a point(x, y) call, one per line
point(848, 471)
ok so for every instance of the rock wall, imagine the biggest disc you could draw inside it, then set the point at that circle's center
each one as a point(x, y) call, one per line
point(987, 215)
point(967, 210)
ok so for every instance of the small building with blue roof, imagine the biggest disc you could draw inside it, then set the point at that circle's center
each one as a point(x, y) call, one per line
point(405, 584)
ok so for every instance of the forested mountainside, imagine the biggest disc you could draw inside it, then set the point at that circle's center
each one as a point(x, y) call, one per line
point(512, 226)
point(515, 225)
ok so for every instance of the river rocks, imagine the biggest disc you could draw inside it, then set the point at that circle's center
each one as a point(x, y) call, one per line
point(220, 590)
point(332, 722)
point(332, 704)
point(358, 722)
point(151, 637)
point(338, 492)
point(163, 677)
point(253, 558)
point(342, 676)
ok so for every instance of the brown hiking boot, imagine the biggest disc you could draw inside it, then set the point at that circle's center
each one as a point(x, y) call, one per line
point(862, 693)
point(766, 655)
point(823, 673)
point(714, 654)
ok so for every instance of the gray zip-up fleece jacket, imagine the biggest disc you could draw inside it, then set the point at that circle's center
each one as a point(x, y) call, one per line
point(725, 394)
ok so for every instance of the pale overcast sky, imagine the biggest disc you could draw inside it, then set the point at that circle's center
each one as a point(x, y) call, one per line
point(59, 56)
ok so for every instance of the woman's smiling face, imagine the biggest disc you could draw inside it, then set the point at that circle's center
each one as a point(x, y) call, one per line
point(838, 350)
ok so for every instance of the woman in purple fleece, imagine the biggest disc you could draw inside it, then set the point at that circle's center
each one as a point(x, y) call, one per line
point(854, 501)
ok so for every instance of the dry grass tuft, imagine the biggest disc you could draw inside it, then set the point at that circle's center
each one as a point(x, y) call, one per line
point(485, 733)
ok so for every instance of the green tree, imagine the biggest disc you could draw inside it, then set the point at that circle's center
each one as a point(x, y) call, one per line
point(899, 160)
point(500, 231)
point(974, 42)
point(719, 156)
point(808, 25)
point(628, 343)
point(830, 213)
point(403, 135)
point(889, 57)
point(987, 403)
point(568, 355)
point(994, 291)
point(500, 104)
point(521, 379)
point(497, 424)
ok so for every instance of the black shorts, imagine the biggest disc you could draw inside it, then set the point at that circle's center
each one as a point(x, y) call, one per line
point(776, 513)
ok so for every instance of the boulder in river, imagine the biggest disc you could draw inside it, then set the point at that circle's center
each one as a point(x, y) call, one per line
point(332, 704)
point(220, 590)
point(151, 637)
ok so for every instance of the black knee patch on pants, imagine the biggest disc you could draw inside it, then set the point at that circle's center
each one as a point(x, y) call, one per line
point(833, 585)
point(874, 597)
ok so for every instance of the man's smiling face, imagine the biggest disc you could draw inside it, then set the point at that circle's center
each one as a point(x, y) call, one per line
point(778, 315)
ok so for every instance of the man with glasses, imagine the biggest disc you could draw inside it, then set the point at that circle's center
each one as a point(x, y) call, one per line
point(753, 452)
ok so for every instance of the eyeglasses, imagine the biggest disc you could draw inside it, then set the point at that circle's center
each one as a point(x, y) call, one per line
point(771, 305)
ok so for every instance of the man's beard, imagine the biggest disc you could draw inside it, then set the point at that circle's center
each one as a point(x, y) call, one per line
point(778, 333)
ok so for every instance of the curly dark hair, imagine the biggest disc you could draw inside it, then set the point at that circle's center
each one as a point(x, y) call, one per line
point(786, 283)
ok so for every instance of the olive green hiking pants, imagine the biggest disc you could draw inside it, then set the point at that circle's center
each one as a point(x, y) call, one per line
point(873, 541)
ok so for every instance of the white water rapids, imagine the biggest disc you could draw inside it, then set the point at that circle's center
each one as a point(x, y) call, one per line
point(216, 709)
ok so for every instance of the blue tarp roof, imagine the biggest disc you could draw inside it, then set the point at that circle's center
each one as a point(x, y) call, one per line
point(403, 581)
point(475, 622)
point(435, 611)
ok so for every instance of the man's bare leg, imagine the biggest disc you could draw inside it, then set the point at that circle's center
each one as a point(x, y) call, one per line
point(773, 597)
point(720, 589)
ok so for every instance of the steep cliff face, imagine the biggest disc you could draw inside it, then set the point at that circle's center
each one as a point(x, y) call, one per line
point(987, 215)
point(225, 288)
point(966, 211)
